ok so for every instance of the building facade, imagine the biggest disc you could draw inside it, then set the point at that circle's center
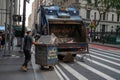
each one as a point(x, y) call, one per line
point(6, 10)
point(31, 18)
point(109, 22)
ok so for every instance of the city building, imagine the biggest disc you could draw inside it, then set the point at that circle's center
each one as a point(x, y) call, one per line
point(31, 18)
point(7, 11)
point(109, 22)
point(30, 21)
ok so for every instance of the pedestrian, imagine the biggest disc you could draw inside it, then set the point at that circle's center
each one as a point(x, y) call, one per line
point(3, 41)
point(103, 38)
point(28, 41)
point(0, 39)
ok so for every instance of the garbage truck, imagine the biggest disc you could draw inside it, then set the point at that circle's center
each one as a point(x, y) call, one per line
point(68, 27)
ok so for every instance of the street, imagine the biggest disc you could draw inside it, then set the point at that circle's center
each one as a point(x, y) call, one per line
point(99, 65)
point(102, 63)
point(59, 39)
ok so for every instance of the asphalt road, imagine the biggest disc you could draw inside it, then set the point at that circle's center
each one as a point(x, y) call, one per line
point(99, 64)
point(102, 63)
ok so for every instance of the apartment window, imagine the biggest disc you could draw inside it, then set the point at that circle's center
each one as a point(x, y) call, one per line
point(88, 14)
point(107, 17)
point(104, 16)
point(77, 0)
point(95, 16)
point(103, 28)
point(112, 17)
point(89, 1)
point(118, 17)
point(106, 28)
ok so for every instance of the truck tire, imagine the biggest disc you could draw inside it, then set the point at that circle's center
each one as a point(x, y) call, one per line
point(60, 57)
point(74, 55)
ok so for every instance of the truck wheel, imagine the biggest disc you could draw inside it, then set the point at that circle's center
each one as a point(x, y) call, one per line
point(42, 68)
point(74, 55)
point(60, 57)
point(51, 68)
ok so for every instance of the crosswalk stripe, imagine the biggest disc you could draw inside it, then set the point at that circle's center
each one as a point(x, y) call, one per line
point(103, 65)
point(105, 56)
point(106, 53)
point(66, 77)
point(107, 77)
point(60, 77)
point(105, 60)
point(73, 72)
point(116, 52)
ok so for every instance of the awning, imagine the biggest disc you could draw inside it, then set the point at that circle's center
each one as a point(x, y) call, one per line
point(2, 28)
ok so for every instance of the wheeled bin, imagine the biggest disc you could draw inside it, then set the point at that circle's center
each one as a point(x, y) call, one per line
point(46, 55)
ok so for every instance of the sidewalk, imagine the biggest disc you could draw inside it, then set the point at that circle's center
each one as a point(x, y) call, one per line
point(105, 44)
point(10, 67)
point(11, 62)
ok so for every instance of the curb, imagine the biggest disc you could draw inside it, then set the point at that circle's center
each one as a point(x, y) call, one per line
point(108, 45)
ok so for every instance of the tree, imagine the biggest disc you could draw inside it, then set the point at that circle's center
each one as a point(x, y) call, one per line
point(104, 6)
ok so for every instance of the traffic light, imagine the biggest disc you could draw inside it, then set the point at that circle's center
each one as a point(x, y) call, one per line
point(92, 24)
point(17, 18)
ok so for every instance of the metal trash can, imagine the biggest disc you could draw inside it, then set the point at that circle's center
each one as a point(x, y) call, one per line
point(46, 54)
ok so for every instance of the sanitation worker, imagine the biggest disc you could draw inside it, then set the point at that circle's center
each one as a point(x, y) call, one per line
point(28, 41)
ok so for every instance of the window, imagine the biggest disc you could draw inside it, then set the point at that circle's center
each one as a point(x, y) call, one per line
point(77, 0)
point(107, 17)
point(103, 28)
point(89, 1)
point(112, 17)
point(104, 16)
point(95, 16)
point(88, 14)
point(118, 16)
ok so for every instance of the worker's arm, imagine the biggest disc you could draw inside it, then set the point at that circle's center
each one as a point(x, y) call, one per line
point(34, 42)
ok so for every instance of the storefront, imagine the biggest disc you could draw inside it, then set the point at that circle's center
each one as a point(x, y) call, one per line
point(2, 28)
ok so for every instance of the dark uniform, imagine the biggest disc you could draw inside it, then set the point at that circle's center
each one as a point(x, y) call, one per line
point(27, 50)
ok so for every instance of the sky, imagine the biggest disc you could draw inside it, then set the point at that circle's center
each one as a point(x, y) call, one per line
point(28, 9)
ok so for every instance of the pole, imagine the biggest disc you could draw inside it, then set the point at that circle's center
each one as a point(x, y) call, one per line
point(19, 8)
point(91, 35)
point(10, 25)
point(5, 29)
point(24, 16)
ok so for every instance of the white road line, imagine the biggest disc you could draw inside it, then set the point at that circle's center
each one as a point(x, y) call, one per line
point(73, 72)
point(35, 73)
point(106, 53)
point(59, 75)
point(116, 51)
point(103, 65)
point(66, 77)
point(107, 77)
point(105, 60)
point(105, 56)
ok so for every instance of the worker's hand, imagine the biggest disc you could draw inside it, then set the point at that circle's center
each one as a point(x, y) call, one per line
point(35, 43)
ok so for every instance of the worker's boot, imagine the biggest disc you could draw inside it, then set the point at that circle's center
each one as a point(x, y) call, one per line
point(24, 68)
